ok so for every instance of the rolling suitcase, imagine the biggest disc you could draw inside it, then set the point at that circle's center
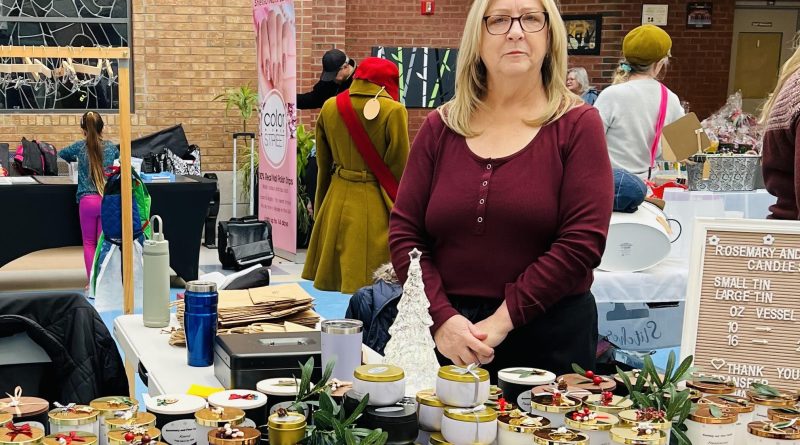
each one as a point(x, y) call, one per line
point(243, 242)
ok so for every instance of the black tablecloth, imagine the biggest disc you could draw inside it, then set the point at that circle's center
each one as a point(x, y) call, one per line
point(39, 216)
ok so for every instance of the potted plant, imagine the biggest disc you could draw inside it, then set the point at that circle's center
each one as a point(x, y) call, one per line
point(245, 100)
point(305, 215)
point(332, 428)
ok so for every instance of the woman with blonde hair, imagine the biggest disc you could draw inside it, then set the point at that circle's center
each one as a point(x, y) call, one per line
point(780, 161)
point(508, 194)
point(637, 107)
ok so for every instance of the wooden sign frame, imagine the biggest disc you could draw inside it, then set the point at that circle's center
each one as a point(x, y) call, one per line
point(761, 342)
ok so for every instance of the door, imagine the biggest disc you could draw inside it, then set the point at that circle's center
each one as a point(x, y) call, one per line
point(758, 57)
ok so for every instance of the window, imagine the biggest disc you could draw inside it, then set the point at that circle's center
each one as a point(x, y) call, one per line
point(62, 23)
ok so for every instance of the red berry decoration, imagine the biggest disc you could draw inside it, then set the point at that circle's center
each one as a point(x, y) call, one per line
point(129, 436)
point(597, 380)
point(589, 374)
point(146, 439)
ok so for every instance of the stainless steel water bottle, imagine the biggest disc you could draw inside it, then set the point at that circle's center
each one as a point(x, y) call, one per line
point(156, 278)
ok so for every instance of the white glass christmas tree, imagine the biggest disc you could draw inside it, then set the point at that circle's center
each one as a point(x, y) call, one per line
point(411, 345)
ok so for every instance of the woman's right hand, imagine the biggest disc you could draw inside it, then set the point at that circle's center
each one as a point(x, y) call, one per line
point(461, 342)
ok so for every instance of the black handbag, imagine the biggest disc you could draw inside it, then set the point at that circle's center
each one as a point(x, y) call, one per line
point(156, 162)
point(243, 242)
point(173, 138)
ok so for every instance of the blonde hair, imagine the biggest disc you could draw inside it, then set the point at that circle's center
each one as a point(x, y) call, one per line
point(788, 69)
point(625, 69)
point(471, 75)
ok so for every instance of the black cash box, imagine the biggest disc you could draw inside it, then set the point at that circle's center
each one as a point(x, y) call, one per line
point(242, 360)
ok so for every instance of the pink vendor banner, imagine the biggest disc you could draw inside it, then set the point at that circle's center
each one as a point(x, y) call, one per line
point(276, 50)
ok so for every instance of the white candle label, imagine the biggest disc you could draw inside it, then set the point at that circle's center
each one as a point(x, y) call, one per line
point(180, 432)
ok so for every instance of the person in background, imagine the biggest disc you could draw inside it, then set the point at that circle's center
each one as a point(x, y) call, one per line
point(508, 194)
point(93, 155)
point(632, 107)
point(337, 75)
point(578, 83)
point(781, 155)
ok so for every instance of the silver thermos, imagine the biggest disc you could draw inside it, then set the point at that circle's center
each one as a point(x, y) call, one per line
point(156, 277)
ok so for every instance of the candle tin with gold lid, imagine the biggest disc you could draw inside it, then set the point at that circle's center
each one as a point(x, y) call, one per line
point(613, 405)
point(462, 387)
point(764, 403)
point(74, 418)
point(515, 381)
point(251, 436)
point(559, 436)
point(517, 428)
point(430, 411)
point(468, 426)
point(586, 383)
point(5, 418)
point(385, 384)
point(594, 425)
point(711, 386)
point(744, 409)
point(71, 438)
point(783, 414)
point(110, 407)
point(286, 428)
point(524, 399)
point(30, 410)
point(632, 435)
point(634, 417)
point(138, 419)
point(21, 434)
point(704, 428)
point(496, 393)
point(117, 437)
point(553, 407)
point(208, 419)
point(438, 439)
point(774, 433)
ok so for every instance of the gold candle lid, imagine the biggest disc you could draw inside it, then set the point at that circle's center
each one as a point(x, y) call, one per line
point(70, 438)
point(27, 406)
point(495, 392)
point(703, 415)
point(139, 418)
point(217, 417)
point(633, 436)
point(286, 420)
point(735, 404)
point(544, 403)
point(517, 421)
point(583, 382)
point(73, 415)
point(783, 414)
point(467, 374)
point(633, 417)
point(775, 430)
point(109, 405)
point(379, 373)
point(5, 418)
point(710, 385)
point(587, 420)
point(559, 436)
point(251, 436)
point(21, 433)
point(428, 398)
point(597, 402)
point(117, 437)
point(438, 439)
point(479, 414)
point(783, 400)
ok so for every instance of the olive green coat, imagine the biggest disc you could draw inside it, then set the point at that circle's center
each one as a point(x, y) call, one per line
point(351, 229)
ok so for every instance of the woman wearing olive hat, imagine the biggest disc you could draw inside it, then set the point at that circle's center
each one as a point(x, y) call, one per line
point(638, 106)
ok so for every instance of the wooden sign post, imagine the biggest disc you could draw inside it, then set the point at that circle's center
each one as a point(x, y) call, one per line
point(742, 319)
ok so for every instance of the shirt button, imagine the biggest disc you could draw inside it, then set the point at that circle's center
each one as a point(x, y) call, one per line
point(488, 166)
point(485, 183)
point(482, 201)
point(480, 219)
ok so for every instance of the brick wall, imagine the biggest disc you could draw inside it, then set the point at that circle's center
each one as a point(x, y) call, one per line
point(698, 71)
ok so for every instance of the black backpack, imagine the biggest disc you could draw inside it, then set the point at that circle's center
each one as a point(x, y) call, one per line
point(36, 158)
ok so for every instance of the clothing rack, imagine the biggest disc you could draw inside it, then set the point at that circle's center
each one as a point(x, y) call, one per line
point(122, 55)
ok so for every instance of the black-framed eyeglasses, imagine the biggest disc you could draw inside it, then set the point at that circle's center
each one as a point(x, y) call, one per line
point(529, 22)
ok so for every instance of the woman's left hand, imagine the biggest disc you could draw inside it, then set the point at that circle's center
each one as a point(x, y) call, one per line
point(496, 326)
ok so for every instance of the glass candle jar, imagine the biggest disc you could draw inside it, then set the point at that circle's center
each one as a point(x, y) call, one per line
point(469, 426)
point(120, 437)
point(769, 433)
point(462, 387)
point(783, 414)
point(242, 436)
point(70, 438)
point(515, 381)
point(21, 434)
point(764, 403)
point(254, 404)
point(634, 417)
point(742, 407)
point(596, 426)
point(559, 436)
point(430, 411)
point(74, 418)
point(286, 429)
point(711, 386)
point(139, 419)
point(110, 407)
point(518, 428)
point(634, 435)
point(208, 419)
point(553, 407)
point(608, 403)
point(596, 384)
point(703, 428)
point(385, 384)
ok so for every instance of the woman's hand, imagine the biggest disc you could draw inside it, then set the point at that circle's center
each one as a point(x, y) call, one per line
point(462, 342)
point(496, 327)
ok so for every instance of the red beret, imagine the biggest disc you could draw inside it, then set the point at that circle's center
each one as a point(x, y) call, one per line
point(380, 72)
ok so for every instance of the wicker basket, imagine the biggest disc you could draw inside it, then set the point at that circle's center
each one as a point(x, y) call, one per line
point(729, 173)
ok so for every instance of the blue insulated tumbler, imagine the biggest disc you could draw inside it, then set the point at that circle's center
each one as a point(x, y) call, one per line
point(200, 321)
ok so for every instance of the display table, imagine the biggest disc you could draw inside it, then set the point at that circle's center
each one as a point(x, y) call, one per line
point(41, 216)
point(167, 371)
